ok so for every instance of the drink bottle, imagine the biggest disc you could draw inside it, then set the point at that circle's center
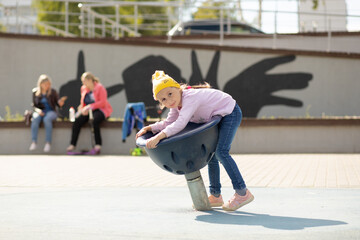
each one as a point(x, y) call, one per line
point(72, 114)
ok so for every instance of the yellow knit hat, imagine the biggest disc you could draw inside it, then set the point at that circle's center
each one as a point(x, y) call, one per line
point(161, 80)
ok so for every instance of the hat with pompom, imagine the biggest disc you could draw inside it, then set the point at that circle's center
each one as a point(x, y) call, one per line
point(160, 80)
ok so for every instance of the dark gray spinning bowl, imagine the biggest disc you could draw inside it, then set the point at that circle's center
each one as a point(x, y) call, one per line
point(186, 152)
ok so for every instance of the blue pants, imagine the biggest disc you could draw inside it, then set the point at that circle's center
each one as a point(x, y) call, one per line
point(48, 124)
point(227, 129)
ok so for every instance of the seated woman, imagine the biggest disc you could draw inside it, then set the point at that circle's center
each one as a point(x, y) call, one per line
point(45, 101)
point(94, 97)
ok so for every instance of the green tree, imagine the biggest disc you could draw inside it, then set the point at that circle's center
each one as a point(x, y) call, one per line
point(2, 28)
point(315, 4)
point(206, 11)
point(54, 12)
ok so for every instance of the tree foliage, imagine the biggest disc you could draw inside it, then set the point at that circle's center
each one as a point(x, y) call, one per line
point(2, 28)
point(315, 4)
point(206, 11)
point(53, 13)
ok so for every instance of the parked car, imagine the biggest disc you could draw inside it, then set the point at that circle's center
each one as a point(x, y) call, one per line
point(202, 27)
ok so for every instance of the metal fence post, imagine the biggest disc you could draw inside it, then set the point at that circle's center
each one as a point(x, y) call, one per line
point(275, 31)
point(136, 19)
point(168, 25)
point(228, 22)
point(82, 16)
point(103, 32)
point(67, 17)
point(221, 27)
point(329, 35)
point(117, 22)
point(88, 23)
point(17, 17)
point(93, 27)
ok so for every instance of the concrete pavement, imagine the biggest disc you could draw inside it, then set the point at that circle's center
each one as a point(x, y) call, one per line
point(258, 170)
point(297, 196)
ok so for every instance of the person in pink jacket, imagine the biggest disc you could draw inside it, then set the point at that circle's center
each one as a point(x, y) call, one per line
point(199, 104)
point(94, 97)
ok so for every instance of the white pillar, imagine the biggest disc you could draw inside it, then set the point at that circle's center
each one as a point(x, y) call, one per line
point(197, 191)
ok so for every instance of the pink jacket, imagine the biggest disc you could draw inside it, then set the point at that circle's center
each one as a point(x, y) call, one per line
point(198, 106)
point(100, 96)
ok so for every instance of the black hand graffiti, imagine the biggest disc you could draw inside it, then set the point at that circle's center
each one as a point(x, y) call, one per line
point(114, 89)
point(137, 79)
point(211, 77)
point(72, 88)
point(253, 87)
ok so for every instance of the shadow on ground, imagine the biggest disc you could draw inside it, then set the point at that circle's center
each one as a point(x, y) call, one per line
point(265, 220)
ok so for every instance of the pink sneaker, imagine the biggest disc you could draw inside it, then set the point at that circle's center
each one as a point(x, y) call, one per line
point(216, 201)
point(238, 201)
point(94, 151)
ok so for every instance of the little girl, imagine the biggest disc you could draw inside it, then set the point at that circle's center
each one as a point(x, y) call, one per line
point(199, 104)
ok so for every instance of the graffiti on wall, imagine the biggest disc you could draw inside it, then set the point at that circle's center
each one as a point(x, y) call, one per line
point(252, 88)
point(72, 88)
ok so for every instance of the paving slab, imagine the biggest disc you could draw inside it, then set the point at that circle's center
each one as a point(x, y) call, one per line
point(166, 213)
point(297, 196)
point(258, 170)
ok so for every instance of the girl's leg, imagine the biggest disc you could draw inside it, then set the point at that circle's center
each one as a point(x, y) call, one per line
point(48, 123)
point(214, 176)
point(99, 117)
point(227, 130)
point(36, 120)
point(79, 122)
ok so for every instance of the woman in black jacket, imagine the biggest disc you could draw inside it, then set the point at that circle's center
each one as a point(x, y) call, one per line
point(45, 101)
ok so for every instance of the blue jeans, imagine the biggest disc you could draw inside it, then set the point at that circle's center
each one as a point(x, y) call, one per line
point(48, 124)
point(227, 129)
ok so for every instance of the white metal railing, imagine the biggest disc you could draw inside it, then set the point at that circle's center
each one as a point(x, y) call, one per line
point(116, 24)
point(112, 25)
point(91, 25)
point(57, 31)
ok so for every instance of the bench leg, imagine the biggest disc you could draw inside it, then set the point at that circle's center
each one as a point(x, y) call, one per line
point(197, 191)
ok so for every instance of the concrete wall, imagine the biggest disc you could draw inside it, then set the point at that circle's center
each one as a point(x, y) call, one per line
point(253, 136)
point(297, 139)
point(18, 141)
point(269, 84)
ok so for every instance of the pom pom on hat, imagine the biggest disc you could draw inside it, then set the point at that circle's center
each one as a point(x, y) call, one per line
point(161, 80)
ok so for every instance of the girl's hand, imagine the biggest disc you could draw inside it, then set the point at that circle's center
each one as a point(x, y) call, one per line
point(143, 131)
point(62, 101)
point(153, 142)
point(85, 110)
point(41, 113)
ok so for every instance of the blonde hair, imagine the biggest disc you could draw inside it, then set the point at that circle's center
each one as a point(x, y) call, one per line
point(89, 75)
point(43, 78)
point(186, 86)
